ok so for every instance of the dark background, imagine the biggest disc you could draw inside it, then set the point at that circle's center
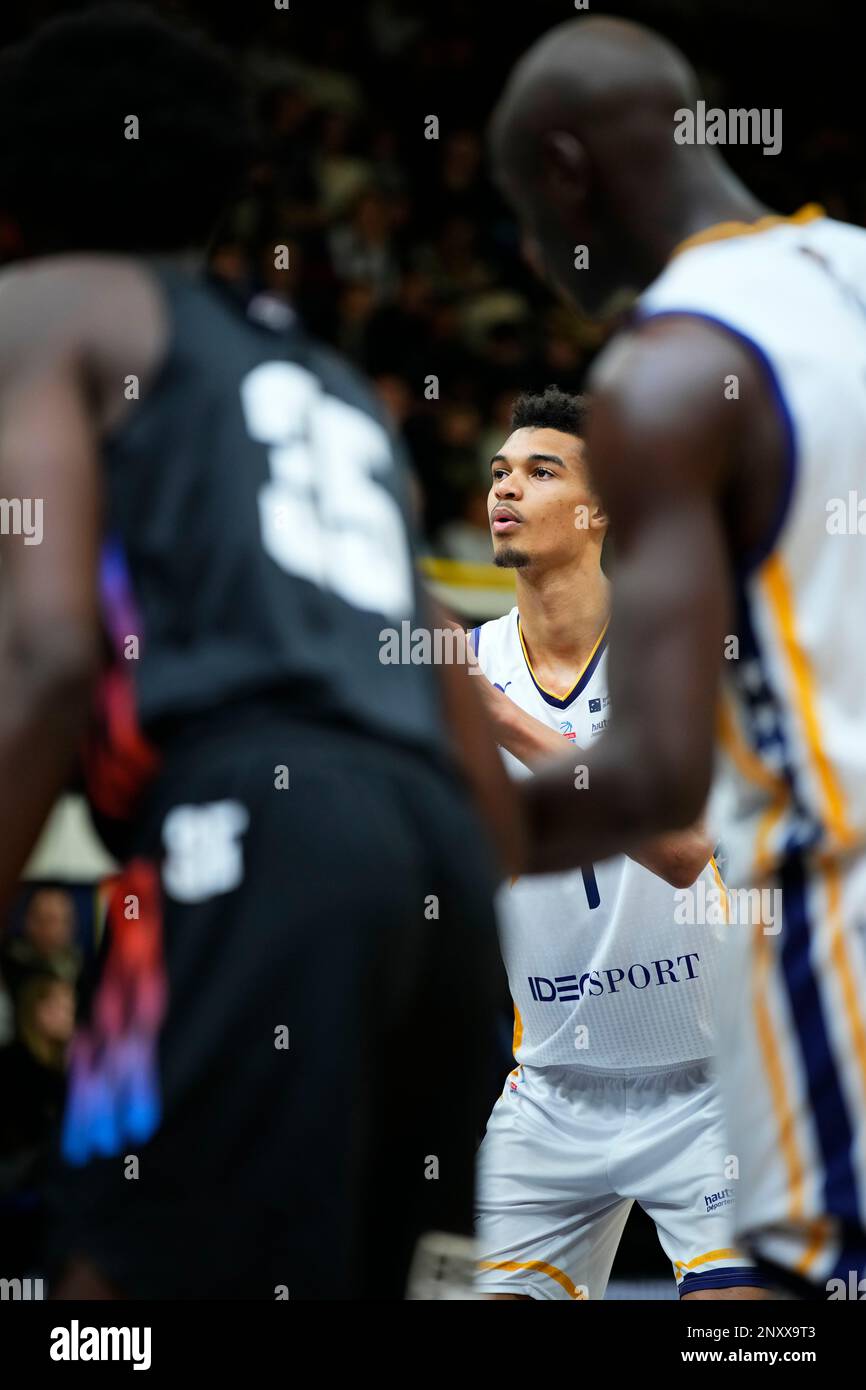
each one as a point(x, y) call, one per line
point(402, 254)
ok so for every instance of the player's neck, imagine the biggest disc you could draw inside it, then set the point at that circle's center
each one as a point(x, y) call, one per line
point(719, 200)
point(562, 612)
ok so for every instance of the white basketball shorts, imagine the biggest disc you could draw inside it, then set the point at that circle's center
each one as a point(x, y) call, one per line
point(567, 1152)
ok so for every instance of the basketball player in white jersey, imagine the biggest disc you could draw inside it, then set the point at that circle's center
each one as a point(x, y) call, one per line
point(612, 1100)
point(728, 441)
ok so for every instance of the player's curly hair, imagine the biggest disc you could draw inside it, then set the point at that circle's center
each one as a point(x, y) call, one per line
point(551, 409)
point(70, 176)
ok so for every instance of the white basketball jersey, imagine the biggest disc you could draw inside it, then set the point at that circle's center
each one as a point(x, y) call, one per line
point(605, 969)
point(792, 758)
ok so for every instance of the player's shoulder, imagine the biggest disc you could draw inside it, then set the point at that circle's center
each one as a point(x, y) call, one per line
point(68, 301)
point(659, 356)
point(71, 277)
point(664, 378)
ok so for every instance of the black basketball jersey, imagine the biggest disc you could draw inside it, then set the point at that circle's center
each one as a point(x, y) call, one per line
point(257, 538)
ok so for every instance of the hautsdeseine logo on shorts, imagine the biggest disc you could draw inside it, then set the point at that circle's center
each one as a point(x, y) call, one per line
point(713, 1201)
point(566, 989)
point(566, 728)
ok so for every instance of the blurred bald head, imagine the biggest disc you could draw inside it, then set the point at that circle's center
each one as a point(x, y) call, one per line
point(583, 146)
point(599, 70)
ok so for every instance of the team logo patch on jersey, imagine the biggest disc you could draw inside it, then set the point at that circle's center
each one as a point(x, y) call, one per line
point(595, 706)
point(566, 728)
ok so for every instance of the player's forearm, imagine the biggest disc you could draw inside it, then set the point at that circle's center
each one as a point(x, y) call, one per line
point(678, 857)
point(44, 694)
point(527, 739)
point(625, 793)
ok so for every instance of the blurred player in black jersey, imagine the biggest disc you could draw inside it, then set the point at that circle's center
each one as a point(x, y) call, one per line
point(291, 1018)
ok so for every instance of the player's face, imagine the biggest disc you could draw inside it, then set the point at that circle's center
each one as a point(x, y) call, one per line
point(572, 257)
point(50, 922)
point(541, 505)
point(581, 261)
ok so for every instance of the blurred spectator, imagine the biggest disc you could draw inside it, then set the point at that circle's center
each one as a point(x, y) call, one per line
point(362, 246)
point(459, 185)
point(33, 1065)
point(467, 536)
point(341, 174)
point(497, 430)
point(452, 262)
point(46, 944)
point(32, 1085)
point(357, 302)
point(396, 396)
point(399, 333)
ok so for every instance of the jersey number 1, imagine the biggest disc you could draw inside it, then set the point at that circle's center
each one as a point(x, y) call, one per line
point(590, 883)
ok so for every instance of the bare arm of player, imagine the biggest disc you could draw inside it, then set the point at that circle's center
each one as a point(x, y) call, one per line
point(528, 740)
point(49, 645)
point(492, 790)
point(65, 325)
point(665, 446)
point(677, 857)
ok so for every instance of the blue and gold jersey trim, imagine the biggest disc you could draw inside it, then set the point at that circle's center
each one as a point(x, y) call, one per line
point(583, 679)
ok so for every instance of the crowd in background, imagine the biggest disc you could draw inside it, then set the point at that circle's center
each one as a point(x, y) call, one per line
point(371, 169)
point(40, 964)
point(402, 252)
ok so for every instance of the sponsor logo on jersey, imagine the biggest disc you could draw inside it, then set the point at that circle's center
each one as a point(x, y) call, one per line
point(713, 1201)
point(566, 728)
point(599, 703)
point(565, 989)
point(597, 728)
point(503, 688)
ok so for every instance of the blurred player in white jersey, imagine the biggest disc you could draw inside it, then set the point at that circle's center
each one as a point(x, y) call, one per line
point(612, 1100)
point(727, 440)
